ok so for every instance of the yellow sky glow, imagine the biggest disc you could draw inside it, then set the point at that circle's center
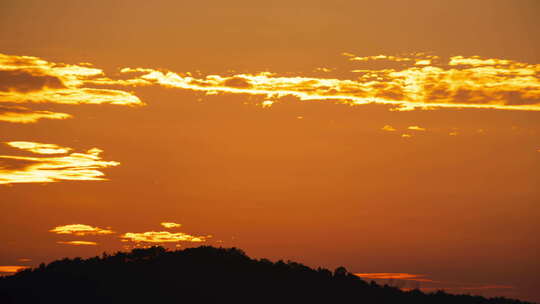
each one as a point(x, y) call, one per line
point(12, 269)
point(397, 276)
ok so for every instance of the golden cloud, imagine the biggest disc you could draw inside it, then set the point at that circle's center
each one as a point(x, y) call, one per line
point(420, 81)
point(267, 103)
point(378, 57)
point(24, 115)
point(27, 79)
point(31, 79)
point(80, 229)
point(78, 243)
point(423, 62)
point(416, 128)
point(73, 96)
point(477, 61)
point(170, 225)
point(74, 166)
point(162, 237)
point(39, 148)
point(423, 84)
point(388, 128)
point(323, 69)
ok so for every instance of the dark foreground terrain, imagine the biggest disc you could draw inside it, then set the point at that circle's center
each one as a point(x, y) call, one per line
point(203, 275)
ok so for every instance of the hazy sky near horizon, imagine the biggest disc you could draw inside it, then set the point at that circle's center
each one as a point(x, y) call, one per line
point(400, 139)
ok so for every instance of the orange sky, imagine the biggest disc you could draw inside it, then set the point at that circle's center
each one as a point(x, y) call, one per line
point(400, 139)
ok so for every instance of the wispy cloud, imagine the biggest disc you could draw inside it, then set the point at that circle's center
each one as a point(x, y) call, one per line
point(77, 243)
point(419, 81)
point(162, 237)
point(388, 128)
point(45, 169)
point(416, 128)
point(323, 69)
point(422, 84)
point(39, 148)
point(24, 115)
point(28, 79)
point(428, 284)
point(170, 225)
point(267, 103)
point(379, 57)
point(80, 229)
point(72, 96)
point(477, 61)
point(395, 276)
point(487, 287)
point(135, 237)
point(31, 79)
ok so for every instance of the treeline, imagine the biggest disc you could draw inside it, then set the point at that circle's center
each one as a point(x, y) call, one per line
point(204, 275)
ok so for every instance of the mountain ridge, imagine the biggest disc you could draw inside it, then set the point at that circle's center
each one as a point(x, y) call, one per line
point(204, 274)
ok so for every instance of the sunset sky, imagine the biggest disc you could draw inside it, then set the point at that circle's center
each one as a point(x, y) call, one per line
point(400, 139)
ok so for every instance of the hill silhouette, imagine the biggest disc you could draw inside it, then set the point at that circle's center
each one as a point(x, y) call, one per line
point(203, 275)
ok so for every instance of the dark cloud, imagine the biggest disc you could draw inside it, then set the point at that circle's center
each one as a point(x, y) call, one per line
point(15, 164)
point(237, 82)
point(25, 81)
point(519, 98)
